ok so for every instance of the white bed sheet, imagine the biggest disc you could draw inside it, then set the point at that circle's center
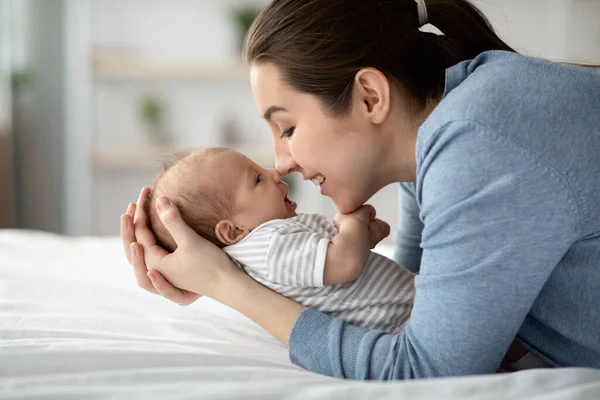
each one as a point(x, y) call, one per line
point(73, 325)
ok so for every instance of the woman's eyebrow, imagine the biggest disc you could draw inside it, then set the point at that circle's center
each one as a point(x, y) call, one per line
point(271, 110)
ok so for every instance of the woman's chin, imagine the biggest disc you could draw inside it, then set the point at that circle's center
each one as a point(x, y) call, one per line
point(345, 205)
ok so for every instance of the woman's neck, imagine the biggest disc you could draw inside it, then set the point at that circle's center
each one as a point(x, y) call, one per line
point(399, 151)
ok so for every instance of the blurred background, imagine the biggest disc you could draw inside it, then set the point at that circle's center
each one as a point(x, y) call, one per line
point(94, 92)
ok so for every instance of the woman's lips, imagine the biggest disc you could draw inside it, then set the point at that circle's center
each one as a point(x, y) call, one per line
point(317, 180)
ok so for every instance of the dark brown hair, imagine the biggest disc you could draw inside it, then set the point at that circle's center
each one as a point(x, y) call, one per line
point(201, 204)
point(320, 45)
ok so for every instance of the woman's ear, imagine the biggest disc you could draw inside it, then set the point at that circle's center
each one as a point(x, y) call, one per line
point(228, 233)
point(372, 92)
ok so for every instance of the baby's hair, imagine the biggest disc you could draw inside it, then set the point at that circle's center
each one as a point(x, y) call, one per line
point(201, 203)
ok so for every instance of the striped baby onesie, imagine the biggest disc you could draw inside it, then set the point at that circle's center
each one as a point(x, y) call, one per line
point(288, 256)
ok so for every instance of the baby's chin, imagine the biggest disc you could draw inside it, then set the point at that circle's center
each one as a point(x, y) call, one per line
point(291, 214)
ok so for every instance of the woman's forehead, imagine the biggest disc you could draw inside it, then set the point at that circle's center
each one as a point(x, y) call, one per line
point(268, 87)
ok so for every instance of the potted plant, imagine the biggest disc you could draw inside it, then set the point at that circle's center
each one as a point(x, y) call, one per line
point(244, 17)
point(151, 113)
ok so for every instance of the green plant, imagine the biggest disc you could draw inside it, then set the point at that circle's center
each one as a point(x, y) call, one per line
point(20, 78)
point(244, 17)
point(151, 110)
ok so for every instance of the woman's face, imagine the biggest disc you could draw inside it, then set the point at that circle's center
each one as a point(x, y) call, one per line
point(341, 155)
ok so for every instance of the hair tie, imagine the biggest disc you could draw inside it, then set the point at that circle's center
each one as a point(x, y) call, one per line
point(422, 10)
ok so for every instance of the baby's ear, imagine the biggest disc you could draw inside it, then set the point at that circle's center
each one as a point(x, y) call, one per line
point(228, 233)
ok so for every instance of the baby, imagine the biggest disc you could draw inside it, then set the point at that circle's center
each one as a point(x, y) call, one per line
point(244, 209)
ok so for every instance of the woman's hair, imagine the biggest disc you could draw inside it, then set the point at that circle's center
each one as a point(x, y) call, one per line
point(320, 45)
point(201, 204)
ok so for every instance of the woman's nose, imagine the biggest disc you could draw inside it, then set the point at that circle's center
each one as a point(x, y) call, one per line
point(284, 163)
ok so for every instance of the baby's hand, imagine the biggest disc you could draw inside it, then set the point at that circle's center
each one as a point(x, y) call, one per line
point(378, 230)
point(364, 214)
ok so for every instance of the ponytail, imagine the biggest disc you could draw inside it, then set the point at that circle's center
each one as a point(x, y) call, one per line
point(463, 23)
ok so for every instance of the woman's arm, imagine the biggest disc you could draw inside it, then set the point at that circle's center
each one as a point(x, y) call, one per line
point(493, 236)
point(407, 238)
point(497, 222)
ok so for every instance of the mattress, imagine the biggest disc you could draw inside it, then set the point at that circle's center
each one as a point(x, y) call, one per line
point(74, 325)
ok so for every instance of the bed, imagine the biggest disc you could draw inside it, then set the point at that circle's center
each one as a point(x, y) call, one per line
point(74, 325)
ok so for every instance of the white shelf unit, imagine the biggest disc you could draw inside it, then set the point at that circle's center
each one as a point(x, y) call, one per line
point(150, 158)
point(226, 71)
point(183, 53)
point(555, 29)
point(197, 75)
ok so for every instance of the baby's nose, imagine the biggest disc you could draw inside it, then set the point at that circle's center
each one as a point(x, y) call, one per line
point(275, 175)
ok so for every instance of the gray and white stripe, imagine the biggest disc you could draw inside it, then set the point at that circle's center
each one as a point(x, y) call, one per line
point(288, 256)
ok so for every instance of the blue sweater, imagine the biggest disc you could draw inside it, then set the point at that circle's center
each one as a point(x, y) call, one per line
point(506, 210)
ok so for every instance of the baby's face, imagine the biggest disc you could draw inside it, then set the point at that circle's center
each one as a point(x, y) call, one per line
point(259, 195)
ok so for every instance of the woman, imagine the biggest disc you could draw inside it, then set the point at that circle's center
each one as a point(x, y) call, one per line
point(504, 155)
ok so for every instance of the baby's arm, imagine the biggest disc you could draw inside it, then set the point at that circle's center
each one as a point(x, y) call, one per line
point(349, 250)
point(301, 257)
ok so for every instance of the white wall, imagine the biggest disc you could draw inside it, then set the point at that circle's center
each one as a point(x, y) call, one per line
point(197, 31)
point(560, 30)
point(156, 32)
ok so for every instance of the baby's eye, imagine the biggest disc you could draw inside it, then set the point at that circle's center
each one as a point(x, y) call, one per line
point(288, 133)
point(258, 178)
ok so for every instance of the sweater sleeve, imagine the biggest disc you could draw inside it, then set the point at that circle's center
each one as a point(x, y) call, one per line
point(407, 238)
point(497, 220)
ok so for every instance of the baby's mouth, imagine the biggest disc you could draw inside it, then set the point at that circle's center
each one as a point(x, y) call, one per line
point(289, 202)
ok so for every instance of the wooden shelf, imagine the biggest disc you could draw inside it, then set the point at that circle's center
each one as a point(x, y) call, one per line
point(150, 158)
point(139, 71)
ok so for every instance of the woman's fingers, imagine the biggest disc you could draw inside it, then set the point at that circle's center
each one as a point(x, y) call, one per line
point(143, 234)
point(170, 292)
point(139, 268)
point(127, 234)
point(127, 231)
point(131, 210)
point(171, 218)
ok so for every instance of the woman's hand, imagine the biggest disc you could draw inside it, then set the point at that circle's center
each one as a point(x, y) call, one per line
point(198, 266)
point(194, 267)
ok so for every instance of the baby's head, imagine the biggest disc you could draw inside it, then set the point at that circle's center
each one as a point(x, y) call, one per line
point(221, 194)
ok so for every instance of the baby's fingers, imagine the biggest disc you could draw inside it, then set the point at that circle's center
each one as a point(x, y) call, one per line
point(385, 228)
point(373, 239)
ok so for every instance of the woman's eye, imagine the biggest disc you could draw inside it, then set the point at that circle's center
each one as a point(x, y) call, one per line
point(258, 178)
point(288, 133)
